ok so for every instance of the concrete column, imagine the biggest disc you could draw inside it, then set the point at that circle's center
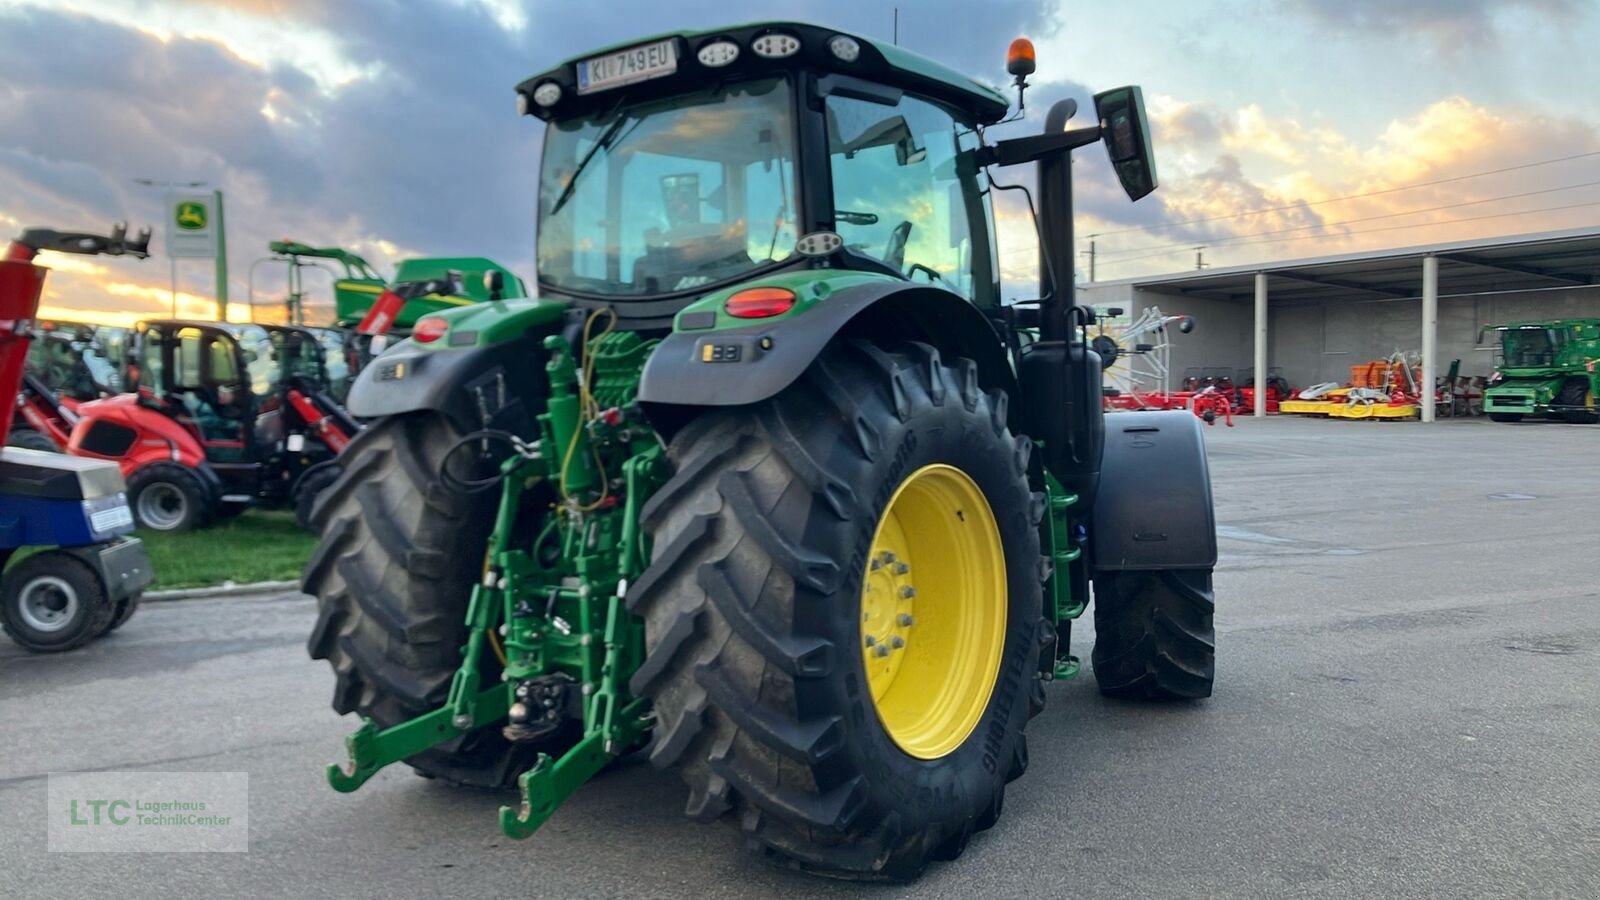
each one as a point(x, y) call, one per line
point(1430, 333)
point(1261, 345)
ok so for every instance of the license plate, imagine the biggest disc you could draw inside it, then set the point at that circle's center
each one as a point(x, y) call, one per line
point(628, 66)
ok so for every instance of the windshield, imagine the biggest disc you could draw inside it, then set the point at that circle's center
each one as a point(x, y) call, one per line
point(1524, 347)
point(669, 196)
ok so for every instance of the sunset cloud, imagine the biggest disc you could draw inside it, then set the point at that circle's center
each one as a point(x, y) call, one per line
point(388, 129)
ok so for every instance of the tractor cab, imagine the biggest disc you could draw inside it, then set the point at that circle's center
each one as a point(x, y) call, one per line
point(229, 383)
point(691, 162)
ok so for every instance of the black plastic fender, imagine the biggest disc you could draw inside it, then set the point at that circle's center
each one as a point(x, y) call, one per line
point(770, 355)
point(1154, 506)
point(502, 384)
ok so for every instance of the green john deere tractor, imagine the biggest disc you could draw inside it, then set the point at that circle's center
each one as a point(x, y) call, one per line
point(1545, 369)
point(767, 483)
point(424, 285)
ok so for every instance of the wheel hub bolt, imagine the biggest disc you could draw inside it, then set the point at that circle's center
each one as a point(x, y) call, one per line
point(902, 569)
point(906, 620)
point(908, 592)
point(871, 641)
point(888, 556)
point(882, 650)
point(897, 642)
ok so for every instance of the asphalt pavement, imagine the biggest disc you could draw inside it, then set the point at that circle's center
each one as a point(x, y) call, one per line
point(1407, 706)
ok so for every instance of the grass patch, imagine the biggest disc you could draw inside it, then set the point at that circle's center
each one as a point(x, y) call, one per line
point(258, 545)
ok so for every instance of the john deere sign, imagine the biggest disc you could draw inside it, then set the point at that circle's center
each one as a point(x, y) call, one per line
point(190, 215)
point(190, 231)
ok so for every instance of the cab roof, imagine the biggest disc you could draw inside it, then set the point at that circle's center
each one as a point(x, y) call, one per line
point(884, 63)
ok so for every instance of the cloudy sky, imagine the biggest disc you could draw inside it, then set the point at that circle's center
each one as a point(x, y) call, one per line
point(1283, 128)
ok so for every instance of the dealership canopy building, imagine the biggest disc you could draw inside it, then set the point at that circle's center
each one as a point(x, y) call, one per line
point(1314, 318)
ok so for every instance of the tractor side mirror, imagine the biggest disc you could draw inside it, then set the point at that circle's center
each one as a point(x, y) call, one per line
point(494, 282)
point(1126, 132)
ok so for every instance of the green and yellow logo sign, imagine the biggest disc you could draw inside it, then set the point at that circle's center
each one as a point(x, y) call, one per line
point(190, 215)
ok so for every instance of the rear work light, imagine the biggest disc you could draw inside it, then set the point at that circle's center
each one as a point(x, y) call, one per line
point(760, 303)
point(775, 45)
point(429, 330)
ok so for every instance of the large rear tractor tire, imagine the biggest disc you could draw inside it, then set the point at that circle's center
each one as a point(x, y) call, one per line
point(1153, 635)
point(170, 497)
point(31, 439)
point(843, 613)
point(399, 555)
point(1576, 393)
point(53, 602)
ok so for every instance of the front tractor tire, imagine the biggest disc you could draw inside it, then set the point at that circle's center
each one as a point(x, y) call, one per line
point(1153, 635)
point(392, 575)
point(881, 496)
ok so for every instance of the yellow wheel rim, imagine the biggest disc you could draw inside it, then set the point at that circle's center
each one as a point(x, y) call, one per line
point(933, 611)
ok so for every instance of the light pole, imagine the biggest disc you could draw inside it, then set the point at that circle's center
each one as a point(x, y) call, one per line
point(172, 260)
point(251, 282)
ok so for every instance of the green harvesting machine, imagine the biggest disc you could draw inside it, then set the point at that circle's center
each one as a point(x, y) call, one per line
point(1545, 369)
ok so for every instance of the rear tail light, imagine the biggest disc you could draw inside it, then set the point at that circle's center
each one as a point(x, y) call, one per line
point(760, 303)
point(429, 330)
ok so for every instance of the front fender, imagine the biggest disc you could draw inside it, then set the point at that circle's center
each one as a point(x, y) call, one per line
point(1153, 510)
point(745, 365)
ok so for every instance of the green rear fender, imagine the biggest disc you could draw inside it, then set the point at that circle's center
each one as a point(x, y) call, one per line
point(713, 359)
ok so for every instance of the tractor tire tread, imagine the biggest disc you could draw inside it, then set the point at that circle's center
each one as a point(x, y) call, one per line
point(1154, 635)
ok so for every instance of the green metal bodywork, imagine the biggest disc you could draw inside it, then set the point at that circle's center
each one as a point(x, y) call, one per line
point(487, 324)
point(1536, 360)
point(353, 298)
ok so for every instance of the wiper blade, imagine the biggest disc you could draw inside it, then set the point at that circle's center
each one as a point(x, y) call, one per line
point(607, 138)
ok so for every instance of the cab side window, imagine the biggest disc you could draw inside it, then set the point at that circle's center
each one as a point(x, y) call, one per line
point(902, 178)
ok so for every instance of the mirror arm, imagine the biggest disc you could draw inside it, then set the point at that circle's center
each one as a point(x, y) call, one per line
point(1036, 147)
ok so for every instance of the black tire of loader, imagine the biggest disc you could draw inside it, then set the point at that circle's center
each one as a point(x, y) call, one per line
point(1576, 393)
point(392, 575)
point(93, 611)
point(1153, 635)
point(125, 608)
point(1505, 417)
point(31, 439)
point(199, 501)
point(751, 609)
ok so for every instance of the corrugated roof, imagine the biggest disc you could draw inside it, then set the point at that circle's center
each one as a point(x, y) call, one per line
point(1518, 263)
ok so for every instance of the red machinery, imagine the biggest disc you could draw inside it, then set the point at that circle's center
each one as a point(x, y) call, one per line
point(1211, 403)
point(89, 581)
point(225, 416)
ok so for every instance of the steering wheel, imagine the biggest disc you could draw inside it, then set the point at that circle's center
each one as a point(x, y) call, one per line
point(894, 252)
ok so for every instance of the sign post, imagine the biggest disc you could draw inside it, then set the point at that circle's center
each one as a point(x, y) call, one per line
point(222, 261)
